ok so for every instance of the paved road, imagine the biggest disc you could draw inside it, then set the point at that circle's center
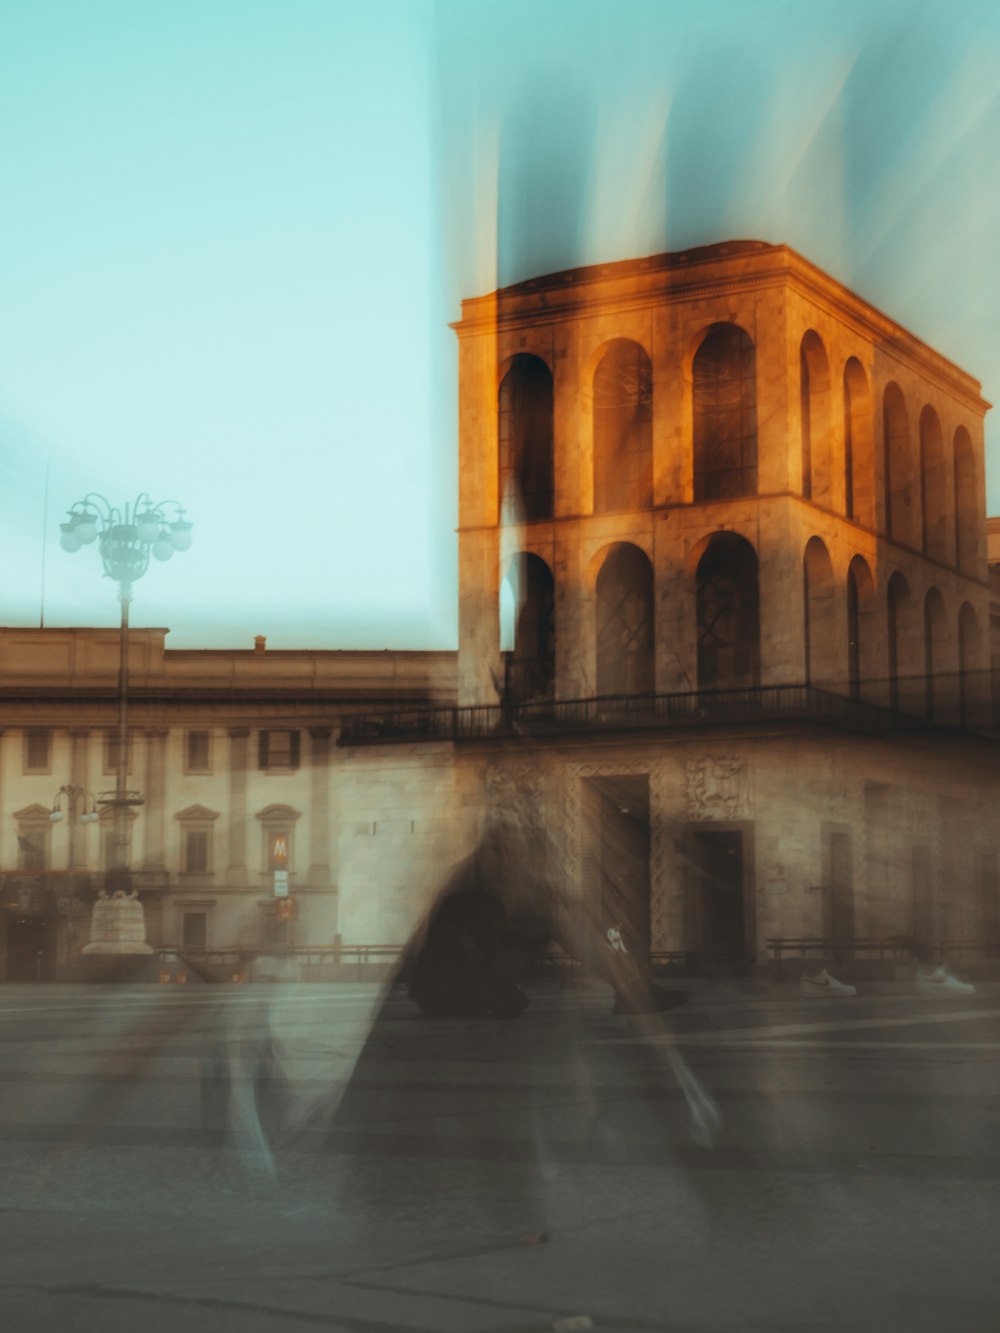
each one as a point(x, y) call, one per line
point(295, 1157)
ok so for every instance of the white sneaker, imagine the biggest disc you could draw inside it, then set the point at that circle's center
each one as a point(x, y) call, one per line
point(823, 984)
point(939, 981)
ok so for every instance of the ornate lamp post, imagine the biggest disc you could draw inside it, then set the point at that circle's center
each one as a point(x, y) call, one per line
point(81, 806)
point(88, 815)
point(126, 538)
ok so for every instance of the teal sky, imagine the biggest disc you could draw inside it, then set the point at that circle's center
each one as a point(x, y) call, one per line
point(233, 234)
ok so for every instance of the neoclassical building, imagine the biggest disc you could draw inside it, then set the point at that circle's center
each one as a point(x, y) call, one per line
point(724, 637)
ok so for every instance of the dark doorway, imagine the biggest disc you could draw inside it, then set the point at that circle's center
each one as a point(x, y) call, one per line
point(195, 932)
point(922, 923)
point(719, 864)
point(838, 885)
point(31, 948)
point(622, 854)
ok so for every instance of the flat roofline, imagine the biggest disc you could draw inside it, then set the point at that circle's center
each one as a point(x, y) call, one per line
point(52, 632)
point(422, 653)
point(623, 268)
point(528, 302)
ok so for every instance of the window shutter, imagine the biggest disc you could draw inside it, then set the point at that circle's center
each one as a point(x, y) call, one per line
point(262, 740)
point(295, 749)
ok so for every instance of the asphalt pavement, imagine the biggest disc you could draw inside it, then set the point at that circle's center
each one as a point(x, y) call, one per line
point(286, 1157)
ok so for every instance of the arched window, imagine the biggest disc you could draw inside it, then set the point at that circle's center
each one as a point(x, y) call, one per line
point(625, 622)
point(814, 373)
point(525, 428)
point(967, 516)
point(623, 429)
point(934, 655)
point(530, 666)
point(823, 644)
point(859, 458)
point(725, 415)
point(933, 487)
point(899, 511)
point(861, 627)
point(728, 614)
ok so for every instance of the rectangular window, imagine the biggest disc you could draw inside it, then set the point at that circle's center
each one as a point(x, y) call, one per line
point(279, 749)
point(33, 850)
point(197, 753)
point(194, 932)
point(37, 745)
point(196, 851)
point(111, 752)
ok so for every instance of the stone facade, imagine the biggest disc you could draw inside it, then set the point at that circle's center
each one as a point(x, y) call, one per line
point(850, 519)
point(361, 833)
point(726, 631)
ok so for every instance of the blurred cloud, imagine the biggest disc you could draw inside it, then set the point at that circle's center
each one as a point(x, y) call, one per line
point(234, 235)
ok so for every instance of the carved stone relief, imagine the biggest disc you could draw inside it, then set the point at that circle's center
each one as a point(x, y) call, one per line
point(718, 787)
point(515, 792)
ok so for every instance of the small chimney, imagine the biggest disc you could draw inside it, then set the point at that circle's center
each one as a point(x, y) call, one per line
point(259, 643)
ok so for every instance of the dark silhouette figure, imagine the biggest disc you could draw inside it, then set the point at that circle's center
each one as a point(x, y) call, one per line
point(491, 923)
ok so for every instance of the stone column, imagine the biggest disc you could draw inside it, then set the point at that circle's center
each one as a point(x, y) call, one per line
point(478, 617)
point(239, 741)
point(573, 475)
point(78, 776)
point(779, 420)
point(11, 858)
point(319, 809)
point(156, 800)
point(672, 457)
point(782, 610)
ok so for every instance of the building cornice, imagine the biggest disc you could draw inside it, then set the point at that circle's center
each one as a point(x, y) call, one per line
point(739, 267)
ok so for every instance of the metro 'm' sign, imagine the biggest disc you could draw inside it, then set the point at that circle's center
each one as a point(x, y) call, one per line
point(279, 849)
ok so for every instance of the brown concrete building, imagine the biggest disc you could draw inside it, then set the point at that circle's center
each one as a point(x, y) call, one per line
point(724, 633)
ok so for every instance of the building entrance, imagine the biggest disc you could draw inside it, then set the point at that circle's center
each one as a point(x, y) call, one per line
point(620, 808)
point(718, 858)
point(31, 948)
point(838, 885)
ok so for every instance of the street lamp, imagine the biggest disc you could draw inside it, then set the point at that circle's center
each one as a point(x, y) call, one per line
point(81, 806)
point(74, 795)
point(126, 538)
point(71, 791)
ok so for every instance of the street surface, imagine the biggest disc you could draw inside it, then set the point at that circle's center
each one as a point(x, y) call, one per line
point(293, 1157)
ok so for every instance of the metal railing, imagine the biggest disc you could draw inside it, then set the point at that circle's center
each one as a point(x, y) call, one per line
point(891, 948)
point(237, 962)
point(693, 708)
point(61, 884)
point(240, 961)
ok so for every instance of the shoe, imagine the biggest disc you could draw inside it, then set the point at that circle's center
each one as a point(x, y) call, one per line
point(939, 981)
point(824, 985)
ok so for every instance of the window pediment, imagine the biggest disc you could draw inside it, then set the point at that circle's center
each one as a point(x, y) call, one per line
point(272, 814)
point(197, 813)
point(34, 812)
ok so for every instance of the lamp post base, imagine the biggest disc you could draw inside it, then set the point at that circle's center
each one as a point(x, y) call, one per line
point(118, 926)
